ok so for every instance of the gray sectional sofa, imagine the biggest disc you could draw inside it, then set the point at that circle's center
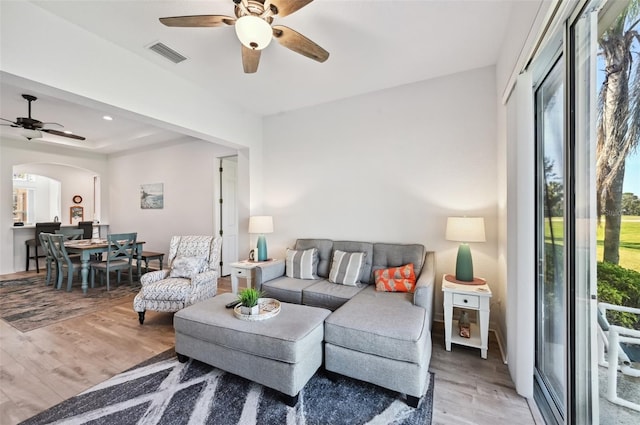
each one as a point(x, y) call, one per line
point(379, 337)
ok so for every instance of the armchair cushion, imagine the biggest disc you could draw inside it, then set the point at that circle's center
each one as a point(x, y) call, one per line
point(171, 289)
point(187, 267)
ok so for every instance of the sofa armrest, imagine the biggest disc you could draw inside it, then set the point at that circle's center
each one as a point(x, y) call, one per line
point(268, 271)
point(154, 276)
point(424, 290)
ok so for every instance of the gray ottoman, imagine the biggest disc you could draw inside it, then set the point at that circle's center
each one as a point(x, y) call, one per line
point(282, 352)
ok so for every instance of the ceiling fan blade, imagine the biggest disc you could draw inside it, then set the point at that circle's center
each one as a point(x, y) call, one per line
point(287, 7)
point(62, 133)
point(4, 119)
point(250, 59)
point(299, 43)
point(198, 21)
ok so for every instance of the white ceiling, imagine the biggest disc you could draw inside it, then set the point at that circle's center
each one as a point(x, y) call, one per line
point(373, 45)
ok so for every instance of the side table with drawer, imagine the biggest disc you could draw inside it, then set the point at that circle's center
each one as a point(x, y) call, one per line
point(245, 269)
point(470, 297)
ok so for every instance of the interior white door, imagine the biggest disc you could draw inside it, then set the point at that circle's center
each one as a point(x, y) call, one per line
point(228, 212)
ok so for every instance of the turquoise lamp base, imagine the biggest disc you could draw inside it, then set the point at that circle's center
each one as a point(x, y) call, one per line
point(262, 248)
point(464, 264)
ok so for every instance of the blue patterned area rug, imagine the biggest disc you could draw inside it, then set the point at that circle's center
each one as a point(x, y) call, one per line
point(164, 391)
point(28, 303)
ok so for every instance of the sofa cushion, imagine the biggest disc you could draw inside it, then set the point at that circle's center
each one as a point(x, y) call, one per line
point(302, 264)
point(187, 267)
point(369, 323)
point(286, 289)
point(387, 255)
point(329, 295)
point(325, 248)
point(395, 279)
point(346, 267)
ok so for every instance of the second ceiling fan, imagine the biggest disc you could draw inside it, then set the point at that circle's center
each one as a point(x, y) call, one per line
point(252, 22)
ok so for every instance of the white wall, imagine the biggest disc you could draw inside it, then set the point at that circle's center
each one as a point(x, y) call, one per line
point(389, 166)
point(189, 172)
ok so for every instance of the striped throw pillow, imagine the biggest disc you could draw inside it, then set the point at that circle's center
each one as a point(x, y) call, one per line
point(302, 264)
point(346, 267)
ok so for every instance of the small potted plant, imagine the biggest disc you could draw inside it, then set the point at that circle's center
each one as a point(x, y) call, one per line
point(249, 301)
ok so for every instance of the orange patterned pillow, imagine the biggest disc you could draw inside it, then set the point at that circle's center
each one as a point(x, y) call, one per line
point(396, 279)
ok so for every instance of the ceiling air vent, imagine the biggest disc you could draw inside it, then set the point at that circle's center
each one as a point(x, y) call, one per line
point(167, 52)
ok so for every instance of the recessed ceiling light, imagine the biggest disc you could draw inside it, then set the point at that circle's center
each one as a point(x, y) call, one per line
point(107, 117)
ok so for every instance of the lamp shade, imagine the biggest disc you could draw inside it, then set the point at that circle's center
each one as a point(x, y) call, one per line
point(465, 229)
point(261, 224)
point(254, 32)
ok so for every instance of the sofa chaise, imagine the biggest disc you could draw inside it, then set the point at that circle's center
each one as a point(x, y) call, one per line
point(381, 337)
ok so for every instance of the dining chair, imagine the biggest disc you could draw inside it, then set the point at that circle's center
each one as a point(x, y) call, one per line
point(46, 227)
point(63, 260)
point(71, 233)
point(87, 228)
point(122, 247)
point(50, 258)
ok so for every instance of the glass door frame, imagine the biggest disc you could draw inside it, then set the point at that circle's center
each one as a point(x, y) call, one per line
point(581, 390)
point(554, 406)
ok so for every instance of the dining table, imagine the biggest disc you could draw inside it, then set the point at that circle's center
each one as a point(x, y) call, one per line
point(87, 247)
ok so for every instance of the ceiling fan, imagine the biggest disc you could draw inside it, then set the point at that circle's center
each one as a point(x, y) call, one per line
point(33, 128)
point(253, 27)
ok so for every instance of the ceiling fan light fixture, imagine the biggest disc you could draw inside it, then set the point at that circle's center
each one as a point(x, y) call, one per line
point(31, 134)
point(253, 32)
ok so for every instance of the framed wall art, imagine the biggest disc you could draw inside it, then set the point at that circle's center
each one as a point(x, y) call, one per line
point(152, 196)
point(76, 214)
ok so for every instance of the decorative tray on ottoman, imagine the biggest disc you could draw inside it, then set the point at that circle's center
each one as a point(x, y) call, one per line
point(269, 307)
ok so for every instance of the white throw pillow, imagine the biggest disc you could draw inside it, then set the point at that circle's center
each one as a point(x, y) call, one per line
point(187, 267)
point(302, 264)
point(346, 267)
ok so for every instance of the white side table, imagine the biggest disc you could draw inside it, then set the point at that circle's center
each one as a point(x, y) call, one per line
point(245, 269)
point(471, 297)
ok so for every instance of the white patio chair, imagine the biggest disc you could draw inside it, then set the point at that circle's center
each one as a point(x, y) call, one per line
point(621, 351)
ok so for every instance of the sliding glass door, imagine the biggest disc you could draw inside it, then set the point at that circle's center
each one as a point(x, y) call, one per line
point(566, 370)
point(551, 285)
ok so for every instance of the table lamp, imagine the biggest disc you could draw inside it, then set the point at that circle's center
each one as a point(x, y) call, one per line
point(261, 224)
point(465, 229)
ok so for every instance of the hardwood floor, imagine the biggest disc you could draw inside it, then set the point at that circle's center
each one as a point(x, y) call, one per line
point(45, 366)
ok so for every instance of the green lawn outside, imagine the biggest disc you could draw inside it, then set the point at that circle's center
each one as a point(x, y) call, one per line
point(629, 242)
point(629, 239)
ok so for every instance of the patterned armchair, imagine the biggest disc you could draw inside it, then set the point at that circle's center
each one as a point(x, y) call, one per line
point(194, 263)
